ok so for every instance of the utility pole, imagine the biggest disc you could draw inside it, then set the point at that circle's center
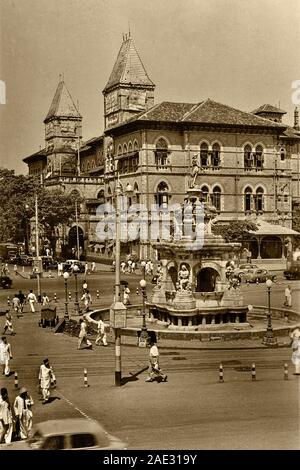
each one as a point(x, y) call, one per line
point(38, 265)
point(77, 230)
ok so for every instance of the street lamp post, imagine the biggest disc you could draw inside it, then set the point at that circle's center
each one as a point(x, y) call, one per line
point(144, 334)
point(118, 309)
point(66, 277)
point(269, 339)
point(76, 303)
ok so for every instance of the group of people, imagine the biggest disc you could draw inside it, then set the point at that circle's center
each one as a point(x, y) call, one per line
point(18, 418)
point(83, 340)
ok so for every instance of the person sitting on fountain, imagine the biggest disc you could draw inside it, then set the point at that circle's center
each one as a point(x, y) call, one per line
point(183, 277)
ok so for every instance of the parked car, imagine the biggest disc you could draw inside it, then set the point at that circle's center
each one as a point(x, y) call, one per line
point(68, 263)
point(67, 434)
point(243, 268)
point(24, 260)
point(49, 263)
point(257, 275)
point(5, 282)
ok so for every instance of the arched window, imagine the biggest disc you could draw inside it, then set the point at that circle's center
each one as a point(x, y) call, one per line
point(124, 149)
point(215, 156)
point(248, 199)
point(135, 145)
point(204, 154)
point(282, 154)
point(259, 157)
point(205, 192)
point(119, 149)
point(130, 147)
point(216, 198)
point(162, 197)
point(161, 153)
point(259, 200)
point(136, 193)
point(100, 196)
point(248, 157)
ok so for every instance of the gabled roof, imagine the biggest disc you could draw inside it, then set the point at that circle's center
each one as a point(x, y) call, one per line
point(128, 68)
point(62, 104)
point(268, 108)
point(40, 155)
point(206, 112)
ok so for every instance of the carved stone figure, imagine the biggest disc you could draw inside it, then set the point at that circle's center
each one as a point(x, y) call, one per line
point(195, 170)
point(183, 278)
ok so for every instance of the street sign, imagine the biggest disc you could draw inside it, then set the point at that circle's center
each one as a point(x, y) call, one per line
point(142, 342)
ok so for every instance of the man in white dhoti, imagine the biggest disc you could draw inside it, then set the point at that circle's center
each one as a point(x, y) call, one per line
point(45, 375)
point(22, 408)
point(5, 356)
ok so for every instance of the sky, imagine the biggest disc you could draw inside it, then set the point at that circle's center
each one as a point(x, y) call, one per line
point(243, 53)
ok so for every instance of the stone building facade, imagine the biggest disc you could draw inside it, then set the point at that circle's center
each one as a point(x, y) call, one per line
point(246, 164)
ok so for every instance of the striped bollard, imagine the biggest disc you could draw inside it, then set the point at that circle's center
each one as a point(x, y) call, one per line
point(85, 379)
point(70, 296)
point(137, 291)
point(8, 301)
point(55, 297)
point(286, 372)
point(98, 295)
point(253, 372)
point(16, 381)
point(221, 376)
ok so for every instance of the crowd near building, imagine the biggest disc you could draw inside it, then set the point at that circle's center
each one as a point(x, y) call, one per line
point(247, 164)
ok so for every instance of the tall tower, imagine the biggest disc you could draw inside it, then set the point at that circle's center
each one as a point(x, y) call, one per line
point(129, 90)
point(62, 133)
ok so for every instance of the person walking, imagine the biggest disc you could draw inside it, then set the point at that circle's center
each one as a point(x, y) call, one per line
point(17, 305)
point(45, 300)
point(101, 336)
point(83, 335)
point(93, 267)
point(32, 299)
point(45, 375)
point(15, 269)
point(296, 353)
point(84, 286)
point(86, 269)
point(87, 300)
point(8, 327)
point(21, 297)
point(22, 408)
point(6, 356)
point(154, 370)
point(126, 298)
point(6, 417)
point(288, 296)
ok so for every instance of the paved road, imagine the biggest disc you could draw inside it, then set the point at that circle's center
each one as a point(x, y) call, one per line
point(191, 411)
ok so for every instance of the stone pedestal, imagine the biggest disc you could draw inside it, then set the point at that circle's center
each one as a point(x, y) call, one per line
point(184, 300)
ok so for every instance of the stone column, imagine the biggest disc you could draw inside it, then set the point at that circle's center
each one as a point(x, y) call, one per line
point(179, 321)
point(203, 322)
point(213, 320)
point(190, 322)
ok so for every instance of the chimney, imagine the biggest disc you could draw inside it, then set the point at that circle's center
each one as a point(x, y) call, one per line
point(296, 119)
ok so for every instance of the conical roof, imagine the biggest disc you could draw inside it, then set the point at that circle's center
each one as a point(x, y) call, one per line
point(62, 104)
point(128, 68)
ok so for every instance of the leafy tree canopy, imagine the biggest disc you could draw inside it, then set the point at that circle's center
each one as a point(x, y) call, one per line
point(235, 230)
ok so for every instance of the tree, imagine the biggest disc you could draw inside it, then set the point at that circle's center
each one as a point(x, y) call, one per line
point(235, 230)
point(17, 207)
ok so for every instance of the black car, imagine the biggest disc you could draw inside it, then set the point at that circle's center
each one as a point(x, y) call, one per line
point(49, 263)
point(5, 282)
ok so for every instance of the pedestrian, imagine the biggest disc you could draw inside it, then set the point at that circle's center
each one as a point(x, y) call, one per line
point(47, 252)
point(126, 298)
point(17, 305)
point(288, 296)
point(87, 300)
point(32, 299)
point(93, 267)
point(22, 408)
point(123, 267)
point(45, 300)
point(83, 334)
point(84, 286)
point(101, 336)
point(5, 356)
point(6, 417)
point(86, 269)
point(15, 269)
point(45, 375)
point(8, 327)
point(60, 268)
point(296, 354)
point(21, 297)
point(154, 370)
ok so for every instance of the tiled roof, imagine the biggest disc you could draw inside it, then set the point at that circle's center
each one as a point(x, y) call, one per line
point(206, 112)
point(35, 156)
point(128, 68)
point(291, 133)
point(62, 104)
point(265, 228)
point(268, 108)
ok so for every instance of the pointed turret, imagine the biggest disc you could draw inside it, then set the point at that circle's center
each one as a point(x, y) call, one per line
point(62, 104)
point(129, 89)
point(62, 132)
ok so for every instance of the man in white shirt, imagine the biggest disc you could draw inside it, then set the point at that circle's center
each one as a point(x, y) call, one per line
point(31, 299)
point(45, 375)
point(154, 370)
point(101, 336)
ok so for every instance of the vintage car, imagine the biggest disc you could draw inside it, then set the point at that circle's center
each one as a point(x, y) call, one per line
point(67, 434)
point(256, 275)
point(243, 268)
point(70, 262)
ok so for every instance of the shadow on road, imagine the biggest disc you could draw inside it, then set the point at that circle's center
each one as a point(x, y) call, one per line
point(133, 377)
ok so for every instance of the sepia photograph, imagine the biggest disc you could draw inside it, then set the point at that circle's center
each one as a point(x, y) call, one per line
point(149, 228)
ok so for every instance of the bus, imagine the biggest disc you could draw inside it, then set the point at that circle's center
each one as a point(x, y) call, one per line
point(8, 251)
